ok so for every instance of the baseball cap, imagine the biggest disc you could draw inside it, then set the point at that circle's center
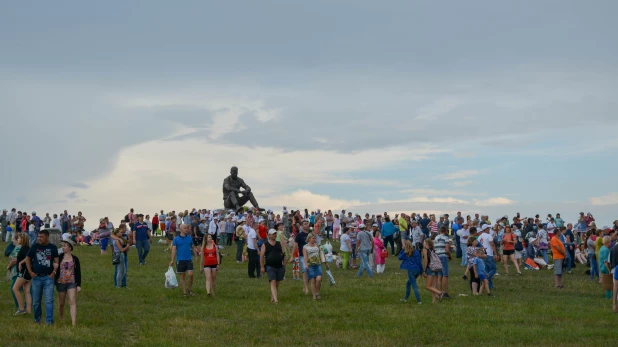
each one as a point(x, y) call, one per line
point(485, 226)
point(272, 231)
point(375, 225)
point(361, 226)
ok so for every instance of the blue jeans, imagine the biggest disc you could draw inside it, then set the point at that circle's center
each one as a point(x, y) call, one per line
point(65, 226)
point(43, 287)
point(389, 239)
point(364, 255)
point(125, 260)
point(490, 269)
point(143, 247)
point(544, 252)
point(464, 254)
point(594, 265)
point(412, 275)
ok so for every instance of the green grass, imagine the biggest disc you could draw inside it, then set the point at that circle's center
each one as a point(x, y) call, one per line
point(526, 310)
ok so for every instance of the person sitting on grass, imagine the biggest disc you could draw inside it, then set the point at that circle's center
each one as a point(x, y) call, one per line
point(558, 253)
point(183, 251)
point(480, 273)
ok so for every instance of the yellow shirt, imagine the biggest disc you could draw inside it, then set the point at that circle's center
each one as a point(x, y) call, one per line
point(403, 225)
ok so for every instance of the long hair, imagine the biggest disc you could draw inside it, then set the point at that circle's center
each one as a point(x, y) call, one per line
point(408, 247)
point(24, 239)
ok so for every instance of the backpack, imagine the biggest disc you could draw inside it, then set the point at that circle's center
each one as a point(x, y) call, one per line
point(435, 263)
point(126, 218)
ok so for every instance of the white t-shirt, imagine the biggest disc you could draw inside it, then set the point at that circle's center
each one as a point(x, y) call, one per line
point(463, 235)
point(550, 227)
point(251, 236)
point(485, 239)
point(66, 236)
point(56, 224)
point(344, 244)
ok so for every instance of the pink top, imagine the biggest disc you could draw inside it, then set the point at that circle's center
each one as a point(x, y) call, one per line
point(378, 246)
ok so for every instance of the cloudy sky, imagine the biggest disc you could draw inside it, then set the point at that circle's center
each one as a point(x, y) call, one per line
point(479, 106)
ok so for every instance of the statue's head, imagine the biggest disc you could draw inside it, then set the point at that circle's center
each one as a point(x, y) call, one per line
point(234, 171)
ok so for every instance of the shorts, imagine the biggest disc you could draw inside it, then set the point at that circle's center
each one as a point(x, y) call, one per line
point(25, 275)
point(431, 273)
point(162, 226)
point(169, 236)
point(214, 267)
point(104, 243)
point(314, 271)
point(517, 255)
point(616, 273)
point(482, 277)
point(558, 267)
point(301, 263)
point(275, 274)
point(444, 260)
point(510, 252)
point(64, 287)
point(183, 266)
point(295, 263)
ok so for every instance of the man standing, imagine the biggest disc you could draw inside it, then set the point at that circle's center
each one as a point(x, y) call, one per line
point(230, 227)
point(487, 241)
point(213, 228)
point(299, 244)
point(4, 221)
point(132, 219)
point(364, 244)
point(47, 221)
point(252, 249)
point(142, 238)
point(38, 223)
point(42, 264)
point(330, 220)
point(64, 219)
point(183, 251)
point(442, 249)
point(558, 253)
point(424, 222)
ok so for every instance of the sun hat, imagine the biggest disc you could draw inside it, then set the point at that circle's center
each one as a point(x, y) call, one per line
point(69, 242)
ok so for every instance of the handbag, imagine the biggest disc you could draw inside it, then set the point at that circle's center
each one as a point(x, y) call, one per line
point(384, 253)
point(115, 258)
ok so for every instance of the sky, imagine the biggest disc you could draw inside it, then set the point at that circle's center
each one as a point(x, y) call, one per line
point(487, 107)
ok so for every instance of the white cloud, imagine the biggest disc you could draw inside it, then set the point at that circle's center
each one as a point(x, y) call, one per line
point(458, 175)
point(439, 192)
point(461, 183)
point(609, 199)
point(446, 200)
point(499, 201)
point(302, 199)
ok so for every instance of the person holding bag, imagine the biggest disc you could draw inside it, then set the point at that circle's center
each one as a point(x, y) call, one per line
point(272, 262)
point(119, 258)
point(380, 252)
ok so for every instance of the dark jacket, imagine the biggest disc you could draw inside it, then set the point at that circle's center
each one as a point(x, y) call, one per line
point(78, 270)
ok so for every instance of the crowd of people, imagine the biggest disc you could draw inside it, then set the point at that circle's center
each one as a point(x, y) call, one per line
point(268, 242)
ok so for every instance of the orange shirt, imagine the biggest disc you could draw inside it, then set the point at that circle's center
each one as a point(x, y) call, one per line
point(210, 256)
point(556, 245)
point(508, 246)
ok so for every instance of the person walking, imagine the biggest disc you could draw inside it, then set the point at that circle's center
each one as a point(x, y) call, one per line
point(210, 264)
point(42, 264)
point(272, 262)
point(24, 280)
point(388, 233)
point(183, 251)
point(12, 267)
point(364, 244)
point(487, 242)
point(252, 249)
point(120, 247)
point(345, 248)
point(299, 243)
point(429, 275)
point(68, 280)
point(411, 261)
point(142, 238)
point(378, 248)
point(313, 265)
point(442, 249)
point(239, 238)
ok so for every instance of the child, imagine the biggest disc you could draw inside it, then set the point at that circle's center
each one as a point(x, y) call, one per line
point(295, 258)
point(480, 273)
point(471, 253)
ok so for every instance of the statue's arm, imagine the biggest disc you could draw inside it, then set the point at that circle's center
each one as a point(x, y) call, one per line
point(227, 186)
point(244, 185)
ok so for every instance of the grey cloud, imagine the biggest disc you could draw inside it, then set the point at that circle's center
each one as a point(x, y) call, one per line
point(79, 185)
point(72, 195)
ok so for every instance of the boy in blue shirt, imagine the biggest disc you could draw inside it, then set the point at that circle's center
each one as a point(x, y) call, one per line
point(480, 273)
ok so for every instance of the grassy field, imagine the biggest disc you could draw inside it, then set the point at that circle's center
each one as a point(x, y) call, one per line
point(526, 310)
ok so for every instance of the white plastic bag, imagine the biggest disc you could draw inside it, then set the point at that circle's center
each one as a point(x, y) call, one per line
point(329, 247)
point(170, 279)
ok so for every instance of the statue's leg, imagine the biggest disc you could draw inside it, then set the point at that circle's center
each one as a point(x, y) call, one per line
point(227, 203)
point(236, 201)
point(254, 202)
point(242, 200)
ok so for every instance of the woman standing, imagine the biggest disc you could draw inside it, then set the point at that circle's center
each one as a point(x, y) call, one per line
point(313, 265)
point(171, 233)
point(345, 248)
point(68, 280)
point(411, 261)
point(378, 248)
point(272, 261)
point(336, 227)
point(433, 226)
point(430, 276)
point(210, 263)
point(120, 247)
point(604, 263)
point(594, 265)
point(508, 249)
point(12, 268)
point(24, 279)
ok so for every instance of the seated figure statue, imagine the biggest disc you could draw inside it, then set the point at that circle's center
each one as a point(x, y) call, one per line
point(233, 197)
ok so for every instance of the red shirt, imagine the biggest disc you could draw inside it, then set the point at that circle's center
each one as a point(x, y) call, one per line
point(262, 231)
point(210, 256)
point(155, 220)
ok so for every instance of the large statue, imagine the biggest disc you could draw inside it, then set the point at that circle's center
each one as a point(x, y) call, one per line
point(233, 197)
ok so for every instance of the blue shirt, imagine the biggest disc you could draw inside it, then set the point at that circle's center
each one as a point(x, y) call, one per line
point(412, 262)
point(424, 223)
point(389, 229)
point(37, 221)
point(480, 265)
point(141, 231)
point(183, 247)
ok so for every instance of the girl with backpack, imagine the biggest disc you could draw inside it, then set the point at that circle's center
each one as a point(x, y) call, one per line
point(431, 267)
